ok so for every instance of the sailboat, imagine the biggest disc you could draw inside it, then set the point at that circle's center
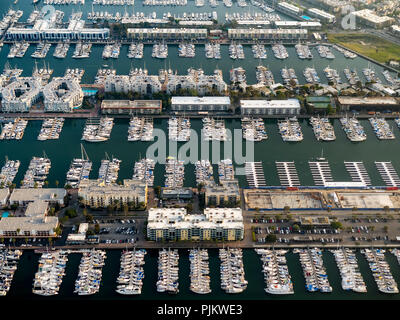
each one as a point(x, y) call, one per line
point(321, 158)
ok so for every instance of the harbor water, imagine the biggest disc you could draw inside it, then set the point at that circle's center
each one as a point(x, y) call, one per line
point(67, 147)
point(21, 286)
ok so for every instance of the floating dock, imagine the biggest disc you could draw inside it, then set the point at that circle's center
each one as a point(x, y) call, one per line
point(321, 172)
point(388, 173)
point(287, 173)
point(357, 171)
point(255, 174)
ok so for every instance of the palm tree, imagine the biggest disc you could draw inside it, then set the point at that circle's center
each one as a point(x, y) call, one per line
point(57, 183)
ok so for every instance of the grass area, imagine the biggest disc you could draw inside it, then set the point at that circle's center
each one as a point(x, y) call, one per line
point(371, 46)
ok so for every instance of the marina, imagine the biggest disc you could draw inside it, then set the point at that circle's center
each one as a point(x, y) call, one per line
point(8, 265)
point(303, 51)
point(287, 173)
point(213, 50)
point(381, 128)
point(111, 51)
point(388, 173)
point(144, 170)
point(280, 51)
point(8, 172)
point(314, 270)
point(255, 174)
point(174, 173)
point(311, 75)
point(370, 75)
point(232, 270)
point(140, 129)
point(135, 51)
point(160, 50)
point(276, 274)
point(321, 172)
point(187, 50)
point(130, 279)
point(253, 129)
point(259, 51)
point(332, 75)
point(204, 172)
point(346, 261)
point(61, 50)
point(82, 50)
point(323, 129)
point(108, 172)
point(290, 130)
point(18, 50)
point(236, 51)
point(214, 129)
point(36, 175)
point(98, 130)
point(226, 170)
point(199, 271)
point(264, 76)
point(168, 271)
point(357, 171)
point(179, 129)
point(380, 270)
point(289, 77)
point(41, 50)
point(354, 130)
point(351, 76)
point(90, 272)
point(51, 129)
point(51, 271)
point(13, 130)
point(325, 52)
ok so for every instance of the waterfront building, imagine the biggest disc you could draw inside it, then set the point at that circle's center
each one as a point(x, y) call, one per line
point(310, 25)
point(368, 103)
point(34, 224)
point(267, 34)
point(195, 79)
point(96, 194)
point(395, 29)
point(272, 107)
point(202, 104)
point(131, 107)
point(20, 95)
point(46, 29)
point(214, 224)
point(370, 18)
point(22, 197)
point(289, 9)
point(62, 95)
point(322, 15)
point(166, 33)
point(4, 193)
point(227, 191)
point(139, 81)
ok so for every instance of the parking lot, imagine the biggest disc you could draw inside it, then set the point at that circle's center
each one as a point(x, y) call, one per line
point(117, 231)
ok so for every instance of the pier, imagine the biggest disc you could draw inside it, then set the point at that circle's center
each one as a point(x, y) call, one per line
point(388, 173)
point(255, 174)
point(321, 172)
point(357, 171)
point(287, 173)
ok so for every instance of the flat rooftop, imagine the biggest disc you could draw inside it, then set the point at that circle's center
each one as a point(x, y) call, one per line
point(201, 100)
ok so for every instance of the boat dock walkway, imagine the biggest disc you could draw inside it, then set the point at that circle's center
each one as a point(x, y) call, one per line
point(321, 172)
point(287, 173)
point(388, 173)
point(357, 171)
point(255, 174)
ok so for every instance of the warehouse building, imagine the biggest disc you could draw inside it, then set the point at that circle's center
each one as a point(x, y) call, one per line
point(115, 107)
point(166, 33)
point(202, 104)
point(174, 224)
point(267, 34)
point(368, 103)
point(273, 107)
point(310, 25)
point(45, 29)
point(322, 15)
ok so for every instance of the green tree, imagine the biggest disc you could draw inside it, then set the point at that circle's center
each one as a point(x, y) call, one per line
point(270, 238)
